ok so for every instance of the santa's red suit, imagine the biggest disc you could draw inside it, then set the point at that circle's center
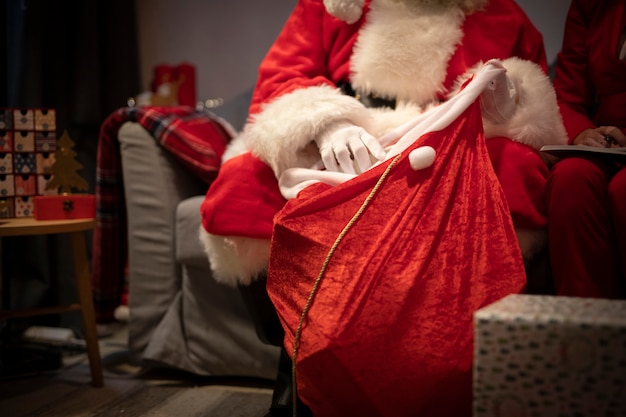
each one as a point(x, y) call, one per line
point(586, 198)
point(390, 330)
point(399, 50)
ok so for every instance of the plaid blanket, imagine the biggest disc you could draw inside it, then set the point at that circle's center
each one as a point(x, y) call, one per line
point(196, 139)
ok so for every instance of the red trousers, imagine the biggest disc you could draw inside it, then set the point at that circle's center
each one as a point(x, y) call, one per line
point(523, 175)
point(586, 208)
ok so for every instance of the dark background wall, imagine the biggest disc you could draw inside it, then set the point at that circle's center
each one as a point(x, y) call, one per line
point(81, 58)
point(77, 56)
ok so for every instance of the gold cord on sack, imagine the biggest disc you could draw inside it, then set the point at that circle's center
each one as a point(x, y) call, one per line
point(318, 280)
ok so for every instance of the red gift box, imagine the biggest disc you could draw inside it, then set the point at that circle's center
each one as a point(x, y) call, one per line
point(64, 206)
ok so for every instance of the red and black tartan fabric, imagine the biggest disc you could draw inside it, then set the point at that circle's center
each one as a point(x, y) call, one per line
point(196, 139)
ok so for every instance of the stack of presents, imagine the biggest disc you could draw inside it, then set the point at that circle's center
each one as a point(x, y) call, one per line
point(27, 153)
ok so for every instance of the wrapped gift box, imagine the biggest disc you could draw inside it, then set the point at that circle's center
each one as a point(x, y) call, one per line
point(539, 356)
point(65, 206)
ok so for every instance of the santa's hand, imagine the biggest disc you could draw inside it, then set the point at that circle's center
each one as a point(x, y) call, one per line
point(347, 148)
point(499, 100)
point(602, 136)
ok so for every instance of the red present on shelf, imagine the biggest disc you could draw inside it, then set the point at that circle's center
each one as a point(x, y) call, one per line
point(64, 207)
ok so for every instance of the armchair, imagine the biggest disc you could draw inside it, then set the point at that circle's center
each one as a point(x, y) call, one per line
point(180, 316)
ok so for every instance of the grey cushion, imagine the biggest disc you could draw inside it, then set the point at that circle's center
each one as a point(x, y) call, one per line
point(189, 249)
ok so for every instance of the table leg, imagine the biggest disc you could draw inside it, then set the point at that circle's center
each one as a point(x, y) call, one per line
point(83, 282)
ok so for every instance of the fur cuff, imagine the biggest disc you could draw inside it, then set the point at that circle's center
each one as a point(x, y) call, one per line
point(537, 120)
point(282, 134)
point(235, 260)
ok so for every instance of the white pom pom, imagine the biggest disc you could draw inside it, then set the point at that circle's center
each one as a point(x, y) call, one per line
point(422, 157)
point(347, 10)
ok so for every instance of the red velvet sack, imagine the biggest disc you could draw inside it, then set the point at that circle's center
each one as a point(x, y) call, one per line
point(389, 328)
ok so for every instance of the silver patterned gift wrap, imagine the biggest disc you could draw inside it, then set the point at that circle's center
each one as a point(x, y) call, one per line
point(537, 356)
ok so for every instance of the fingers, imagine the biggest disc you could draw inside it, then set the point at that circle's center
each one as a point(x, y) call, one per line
point(344, 156)
point(364, 147)
point(613, 136)
point(373, 145)
point(360, 154)
point(498, 101)
point(350, 150)
point(337, 157)
point(609, 142)
point(328, 157)
point(603, 137)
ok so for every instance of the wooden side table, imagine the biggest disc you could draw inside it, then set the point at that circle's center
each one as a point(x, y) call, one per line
point(75, 229)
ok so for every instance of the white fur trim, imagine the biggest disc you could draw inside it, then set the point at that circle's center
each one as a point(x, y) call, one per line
point(403, 51)
point(294, 180)
point(282, 134)
point(236, 146)
point(537, 120)
point(385, 119)
point(235, 260)
point(347, 10)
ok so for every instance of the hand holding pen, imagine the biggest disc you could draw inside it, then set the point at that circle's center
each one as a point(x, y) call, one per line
point(603, 137)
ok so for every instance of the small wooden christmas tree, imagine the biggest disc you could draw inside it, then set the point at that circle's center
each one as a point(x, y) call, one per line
point(65, 167)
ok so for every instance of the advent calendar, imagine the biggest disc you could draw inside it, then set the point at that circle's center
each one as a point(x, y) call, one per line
point(27, 153)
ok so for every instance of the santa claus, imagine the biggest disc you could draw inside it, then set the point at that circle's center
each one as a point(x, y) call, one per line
point(339, 80)
point(343, 73)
